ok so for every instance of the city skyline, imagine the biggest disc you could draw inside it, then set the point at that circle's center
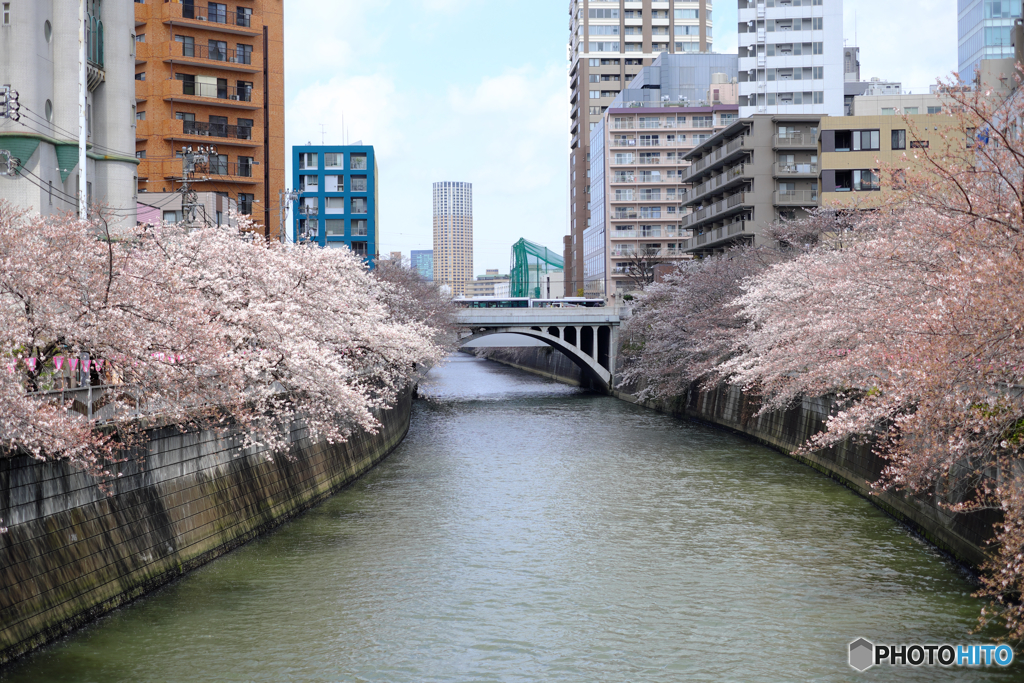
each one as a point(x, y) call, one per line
point(456, 123)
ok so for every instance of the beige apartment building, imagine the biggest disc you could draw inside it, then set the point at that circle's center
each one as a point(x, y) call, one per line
point(644, 153)
point(609, 41)
point(854, 150)
point(752, 173)
point(453, 235)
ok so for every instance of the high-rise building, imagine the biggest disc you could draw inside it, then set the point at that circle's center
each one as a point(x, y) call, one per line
point(637, 163)
point(453, 235)
point(39, 59)
point(985, 30)
point(422, 261)
point(213, 74)
point(337, 204)
point(791, 57)
point(609, 40)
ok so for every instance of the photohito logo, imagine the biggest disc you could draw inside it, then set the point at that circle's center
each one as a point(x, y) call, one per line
point(864, 654)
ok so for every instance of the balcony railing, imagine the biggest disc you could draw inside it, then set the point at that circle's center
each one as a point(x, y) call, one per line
point(216, 54)
point(796, 169)
point(241, 169)
point(795, 140)
point(216, 15)
point(797, 198)
point(220, 92)
point(217, 130)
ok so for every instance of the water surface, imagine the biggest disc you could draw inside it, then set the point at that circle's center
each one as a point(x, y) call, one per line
point(527, 531)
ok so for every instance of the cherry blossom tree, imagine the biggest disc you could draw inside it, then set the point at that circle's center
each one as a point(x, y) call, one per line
point(915, 323)
point(196, 328)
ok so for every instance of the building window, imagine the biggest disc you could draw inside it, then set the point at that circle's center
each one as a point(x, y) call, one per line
point(141, 154)
point(310, 182)
point(857, 140)
point(335, 204)
point(245, 167)
point(359, 228)
point(857, 181)
point(934, 110)
point(243, 54)
point(899, 139)
point(358, 183)
point(334, 160)
point(307, 160)
point(244, 16)
point(360, 249)
point(217, 50)
point(141, 76)
point(334, 228)
point(188, 45)
point(218, 13)
point(357, 162)
point(918, 144)
point(245, 203)
point(7, 14)
point(359, 204)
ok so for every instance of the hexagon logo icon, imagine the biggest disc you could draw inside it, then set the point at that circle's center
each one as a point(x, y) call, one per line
point(862, 654)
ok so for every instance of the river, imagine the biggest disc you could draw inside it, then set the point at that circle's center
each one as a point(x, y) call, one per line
point(528, 531)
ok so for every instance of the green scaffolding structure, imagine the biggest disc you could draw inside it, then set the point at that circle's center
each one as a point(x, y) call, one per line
point(530, 263)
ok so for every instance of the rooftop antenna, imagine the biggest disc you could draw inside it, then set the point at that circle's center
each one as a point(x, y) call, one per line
point(322, 134)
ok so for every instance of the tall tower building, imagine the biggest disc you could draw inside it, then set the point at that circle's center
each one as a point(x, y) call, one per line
point(39, 48)
point(213, 74)
point(609, 41)
point(984, 29)
point(791, 58)
point(453, 235)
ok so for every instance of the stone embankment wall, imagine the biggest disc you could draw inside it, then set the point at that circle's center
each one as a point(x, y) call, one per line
point(72, 552)
point(964, 536)
point(538, 360)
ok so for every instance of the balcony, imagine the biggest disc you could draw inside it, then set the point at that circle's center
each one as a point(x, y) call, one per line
point(717, 238)
point(731, 151)
point(637, 179)
point(797, 198)
point(229, 96)
point(795, 170)
point(795, 141)
point(219, 172)
point(199, 55)
point(730, 178)
point(202, 17)
point(199, 132)
point(714, 212)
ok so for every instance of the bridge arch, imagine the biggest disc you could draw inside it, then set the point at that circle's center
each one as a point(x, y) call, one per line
point(591, 369)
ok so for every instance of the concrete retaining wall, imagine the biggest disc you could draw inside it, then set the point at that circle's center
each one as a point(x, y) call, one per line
point(964, 536)
point(72, 552)
point(538, 360)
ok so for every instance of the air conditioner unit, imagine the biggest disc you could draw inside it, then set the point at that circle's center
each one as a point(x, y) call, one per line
point(200, 18)
point(234, 97)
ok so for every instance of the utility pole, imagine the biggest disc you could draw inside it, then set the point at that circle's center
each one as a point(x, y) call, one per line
point(190, 161)
point(284, 196)
point(82, 84)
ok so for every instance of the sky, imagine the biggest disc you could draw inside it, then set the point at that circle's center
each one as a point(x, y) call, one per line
point(477, 91)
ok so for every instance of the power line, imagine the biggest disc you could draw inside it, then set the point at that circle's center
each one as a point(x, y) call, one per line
point(41, 120)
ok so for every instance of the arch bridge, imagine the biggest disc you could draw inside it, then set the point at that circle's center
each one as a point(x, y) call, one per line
point(588, 336)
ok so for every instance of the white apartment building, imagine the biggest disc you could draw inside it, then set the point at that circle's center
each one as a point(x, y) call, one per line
point(39, 59)
point(453, 235)
point(609, 42)
point(791, 57)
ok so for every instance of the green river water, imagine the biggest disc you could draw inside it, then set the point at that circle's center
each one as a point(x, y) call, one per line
point(527, 531)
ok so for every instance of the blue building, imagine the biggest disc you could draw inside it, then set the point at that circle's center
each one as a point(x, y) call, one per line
point(422, 261)
point(337, 204)
point(985, 30)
